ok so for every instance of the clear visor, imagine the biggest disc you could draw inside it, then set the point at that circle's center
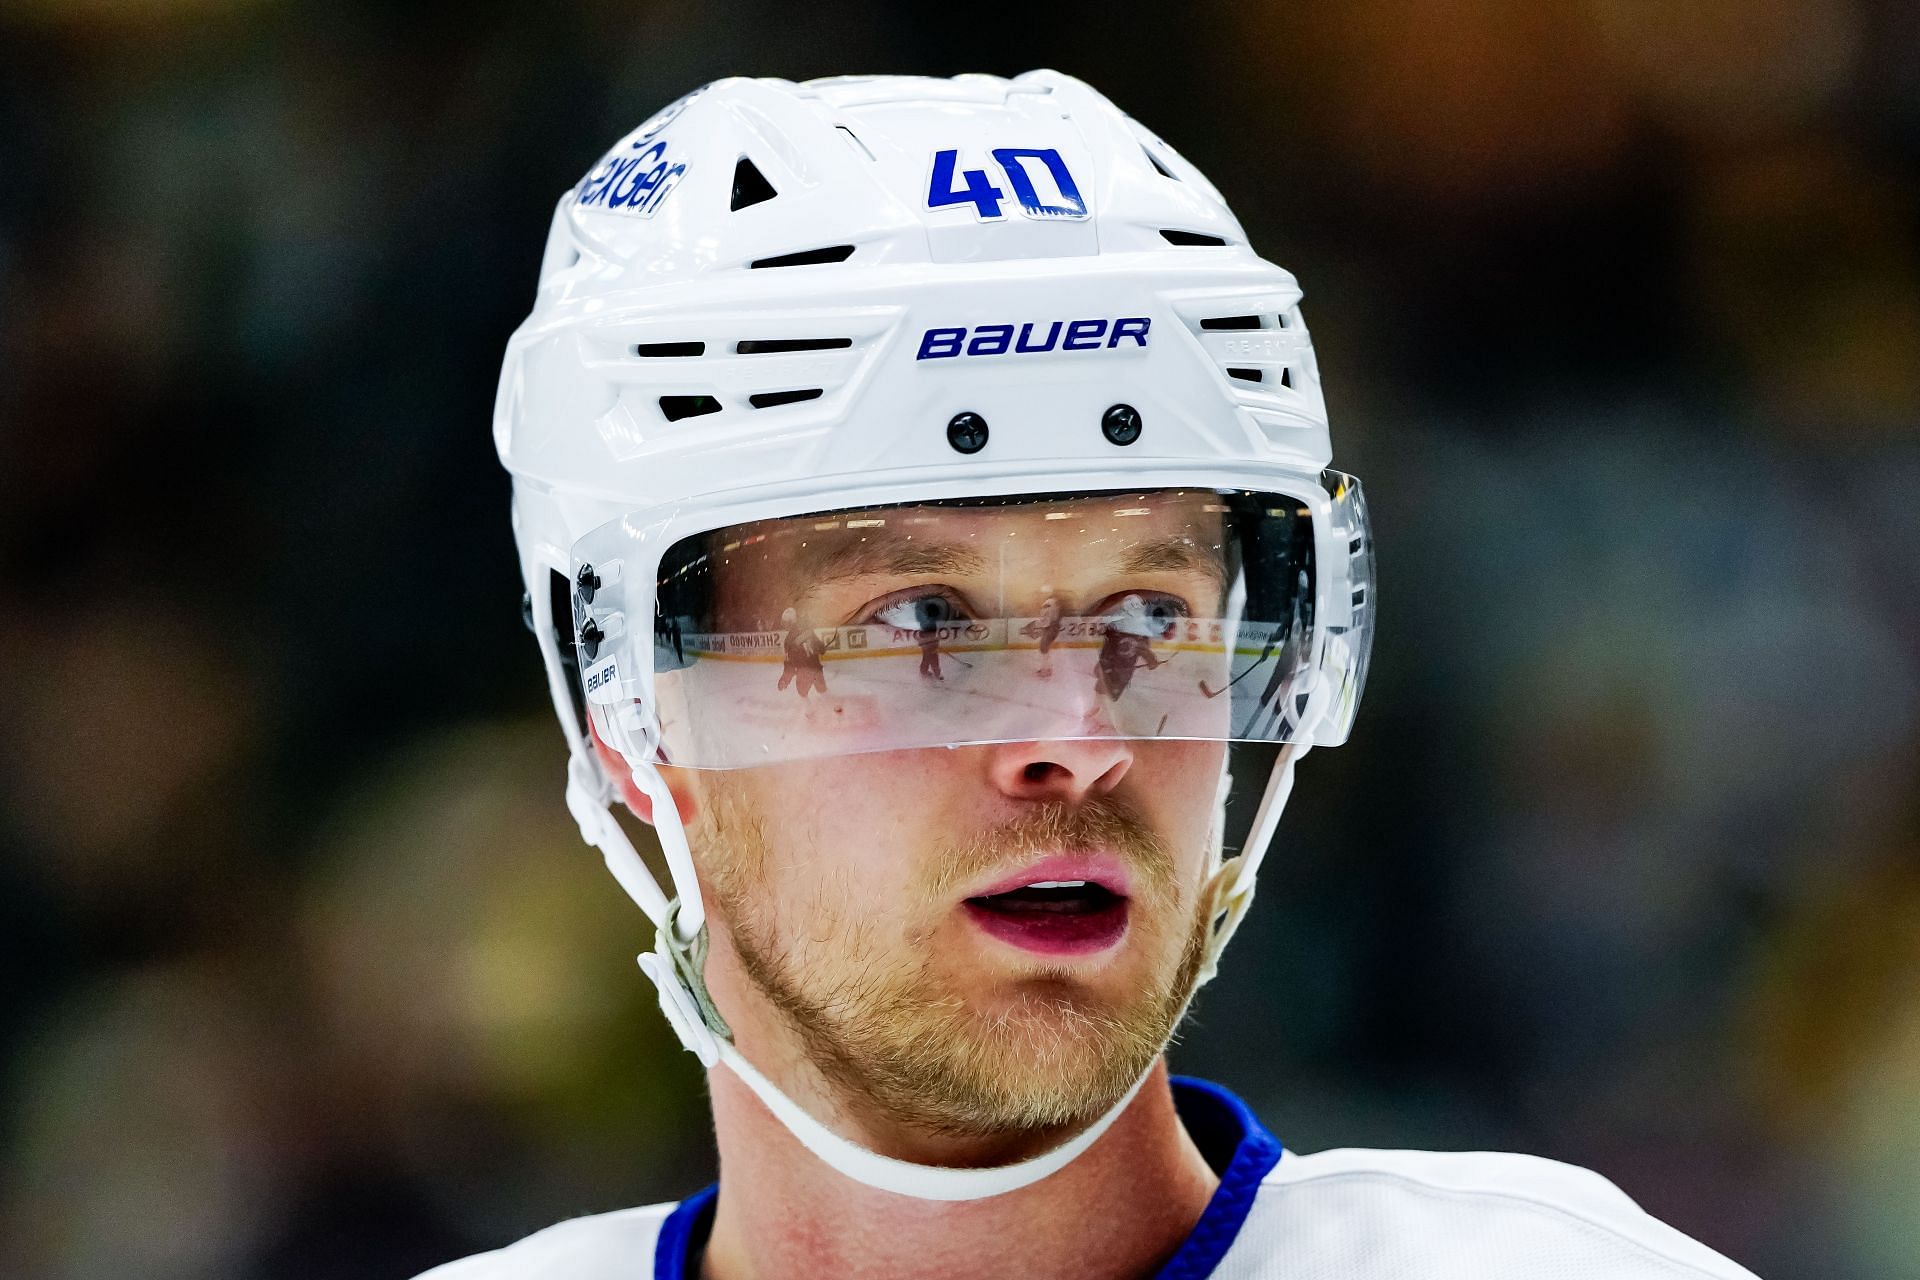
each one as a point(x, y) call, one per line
point(1169, 613)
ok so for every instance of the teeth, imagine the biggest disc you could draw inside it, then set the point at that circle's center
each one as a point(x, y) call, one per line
point(1058, 884)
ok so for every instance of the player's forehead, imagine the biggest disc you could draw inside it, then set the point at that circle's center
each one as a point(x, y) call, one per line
point(1044, 537)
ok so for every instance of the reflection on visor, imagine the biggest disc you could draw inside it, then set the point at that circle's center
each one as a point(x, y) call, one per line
point(1178, 614)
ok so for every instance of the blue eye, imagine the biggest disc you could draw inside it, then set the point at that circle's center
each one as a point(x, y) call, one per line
point(1144, 612)
point(921, 609)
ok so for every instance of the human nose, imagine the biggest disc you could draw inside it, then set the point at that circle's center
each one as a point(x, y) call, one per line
point(1069, 770)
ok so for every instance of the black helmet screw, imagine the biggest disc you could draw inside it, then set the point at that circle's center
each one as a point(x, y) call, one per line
point(590, 637)
point(587, 582)
point(967, 432)
point(1121, 424)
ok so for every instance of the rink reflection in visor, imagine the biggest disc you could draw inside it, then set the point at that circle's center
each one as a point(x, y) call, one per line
point(1176, 613)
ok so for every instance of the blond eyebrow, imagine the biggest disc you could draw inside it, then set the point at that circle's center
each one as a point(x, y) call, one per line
point(1174, 555)
point(892, 558)
point(822, 567)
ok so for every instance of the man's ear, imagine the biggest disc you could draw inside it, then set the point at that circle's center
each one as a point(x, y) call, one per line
point(637, 800)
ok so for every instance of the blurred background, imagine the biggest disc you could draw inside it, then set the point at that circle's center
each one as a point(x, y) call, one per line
point(304, 972)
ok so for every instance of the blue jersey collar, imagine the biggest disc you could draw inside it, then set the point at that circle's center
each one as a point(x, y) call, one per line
point(1235, 1144)
point(1241, 1151)
point(683, 1235)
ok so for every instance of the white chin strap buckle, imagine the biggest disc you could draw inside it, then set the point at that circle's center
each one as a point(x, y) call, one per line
point(678, 973)
point(681, 1012)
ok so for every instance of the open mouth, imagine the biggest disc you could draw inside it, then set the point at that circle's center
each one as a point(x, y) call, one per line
point(1053, 917)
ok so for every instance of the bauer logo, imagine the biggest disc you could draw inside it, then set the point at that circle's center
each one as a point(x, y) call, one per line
point(632, 179)
point(1033, 337)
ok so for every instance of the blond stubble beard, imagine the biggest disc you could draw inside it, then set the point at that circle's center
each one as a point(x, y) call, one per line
point(882, 1028)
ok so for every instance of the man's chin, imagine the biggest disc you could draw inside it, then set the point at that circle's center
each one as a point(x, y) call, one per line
point(1008, 1107)
point(1037, 1059)
point(977, 1055)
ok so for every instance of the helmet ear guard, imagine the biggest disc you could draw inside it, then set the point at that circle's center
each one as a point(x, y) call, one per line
point(590, 792)
point(677, 962)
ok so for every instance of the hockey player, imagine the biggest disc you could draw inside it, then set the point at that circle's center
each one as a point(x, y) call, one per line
point(1285, 665)
point(800, 650)
point(928, 638)
point(1046, 630)
point(850, 348)
point(1126, 647)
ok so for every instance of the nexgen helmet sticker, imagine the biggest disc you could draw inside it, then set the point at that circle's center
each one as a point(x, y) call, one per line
point(632, 180)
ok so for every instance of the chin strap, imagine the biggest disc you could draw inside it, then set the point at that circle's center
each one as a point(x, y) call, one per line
point(904, 1177)
point(1235, 881)
point(588, 798)
point(1239, 877)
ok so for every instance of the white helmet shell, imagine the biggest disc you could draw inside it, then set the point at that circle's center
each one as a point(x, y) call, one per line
point(681, 346)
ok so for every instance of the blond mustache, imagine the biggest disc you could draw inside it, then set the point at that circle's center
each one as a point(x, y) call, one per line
point(1055, 827)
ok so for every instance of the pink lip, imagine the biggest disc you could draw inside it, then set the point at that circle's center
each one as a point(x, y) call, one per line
point(1102, 869)
point(1059, 934)
point(1056, 935)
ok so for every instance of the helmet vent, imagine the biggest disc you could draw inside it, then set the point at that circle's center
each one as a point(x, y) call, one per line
point(669, 348)
point(1265, 362)
point(806, 258)
point(750, 186)
point(773, 346)
point(770, 399)
point(1158, 168)
point(1189, 237)
point(855, 139)
point(678, 407)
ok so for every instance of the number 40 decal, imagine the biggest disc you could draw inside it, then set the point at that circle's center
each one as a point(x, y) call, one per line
point(978, 190)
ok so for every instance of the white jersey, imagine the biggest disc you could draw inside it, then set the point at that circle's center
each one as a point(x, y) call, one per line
point(1337, 1215)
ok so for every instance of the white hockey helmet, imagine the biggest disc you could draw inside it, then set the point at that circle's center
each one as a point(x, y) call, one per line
point(781, 316)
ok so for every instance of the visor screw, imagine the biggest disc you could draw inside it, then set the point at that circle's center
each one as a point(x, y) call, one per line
point(1121, 424)
point(967, 432)
point(590, 637)
point(587, 581)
